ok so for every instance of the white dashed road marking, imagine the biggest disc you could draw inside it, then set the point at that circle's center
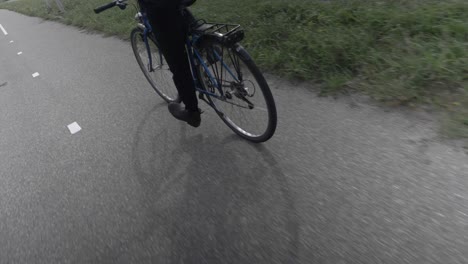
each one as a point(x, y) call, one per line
point(19, 53)
point(74, 128)
point(3, 29)
point(11, 41)
point(35, 74)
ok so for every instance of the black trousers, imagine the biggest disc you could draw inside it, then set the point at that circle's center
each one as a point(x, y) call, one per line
point(170, 29)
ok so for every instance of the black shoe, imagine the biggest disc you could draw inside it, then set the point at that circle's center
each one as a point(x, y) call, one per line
point(191, 117)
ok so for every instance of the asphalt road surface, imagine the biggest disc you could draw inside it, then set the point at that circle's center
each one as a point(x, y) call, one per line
point(340, 182)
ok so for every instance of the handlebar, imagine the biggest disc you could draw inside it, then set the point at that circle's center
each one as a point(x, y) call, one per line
point(104, 7)
point(119, 3)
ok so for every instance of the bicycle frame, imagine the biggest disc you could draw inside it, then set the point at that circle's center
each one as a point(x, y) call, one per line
point(147, 29)
point(191, 51)
point(194, 57)
point(194, 54)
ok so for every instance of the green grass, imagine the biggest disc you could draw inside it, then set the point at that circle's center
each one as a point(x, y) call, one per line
point(408, 52)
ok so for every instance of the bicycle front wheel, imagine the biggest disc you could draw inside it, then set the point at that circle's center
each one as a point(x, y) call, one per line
point(243, 99)
point(153, 65)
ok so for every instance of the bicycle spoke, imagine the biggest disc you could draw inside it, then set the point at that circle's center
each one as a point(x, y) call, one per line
point(240, 105)
point(158, 74)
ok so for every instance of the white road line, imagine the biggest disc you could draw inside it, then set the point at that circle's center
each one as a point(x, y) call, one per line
point(34, 75)
point(11, 41)
point(19, 53)
point(3, 29)
point(74, 128)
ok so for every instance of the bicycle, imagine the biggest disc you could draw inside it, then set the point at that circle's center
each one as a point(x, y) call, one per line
point(225, 76)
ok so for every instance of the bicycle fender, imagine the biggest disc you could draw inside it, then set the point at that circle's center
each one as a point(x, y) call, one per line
point(242, 52)
point(141, 26)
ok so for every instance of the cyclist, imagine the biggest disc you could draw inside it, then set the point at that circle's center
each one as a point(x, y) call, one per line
point(170, 29)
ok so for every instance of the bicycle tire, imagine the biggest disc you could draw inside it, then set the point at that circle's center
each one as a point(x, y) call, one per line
point(248, 65)
point(160, 77)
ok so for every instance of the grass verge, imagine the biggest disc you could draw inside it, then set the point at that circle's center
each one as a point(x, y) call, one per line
point(409, 52)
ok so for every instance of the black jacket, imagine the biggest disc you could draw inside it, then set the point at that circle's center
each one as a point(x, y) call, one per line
point(162, 3)
point(167, 3)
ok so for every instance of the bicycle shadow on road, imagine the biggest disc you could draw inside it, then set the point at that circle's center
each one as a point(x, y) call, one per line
point(212, 199)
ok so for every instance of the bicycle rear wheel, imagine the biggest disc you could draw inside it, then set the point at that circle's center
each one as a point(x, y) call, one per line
point(245, 102)
point(157, 73)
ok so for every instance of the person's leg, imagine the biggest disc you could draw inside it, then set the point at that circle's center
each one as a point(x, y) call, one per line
point(169, 28)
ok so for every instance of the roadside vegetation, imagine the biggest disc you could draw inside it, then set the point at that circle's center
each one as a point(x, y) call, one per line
point(400, 52)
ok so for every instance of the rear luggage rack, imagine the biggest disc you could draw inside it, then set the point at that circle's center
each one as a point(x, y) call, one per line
point(228, 34)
